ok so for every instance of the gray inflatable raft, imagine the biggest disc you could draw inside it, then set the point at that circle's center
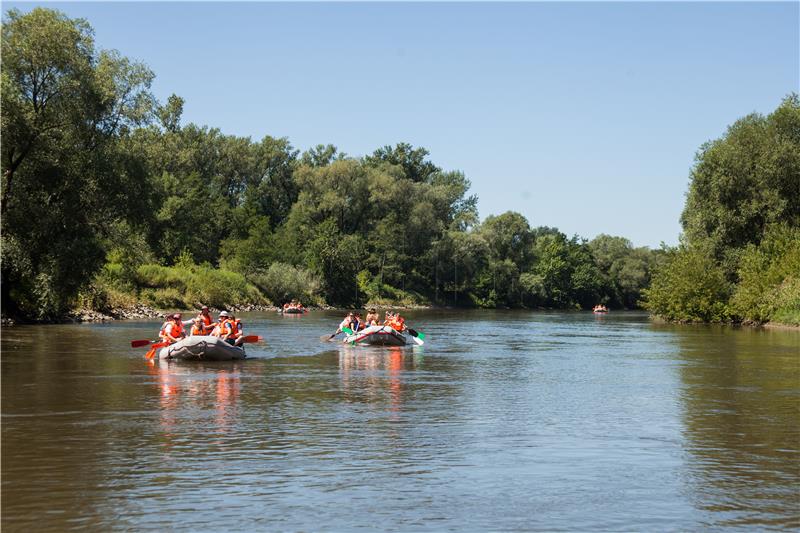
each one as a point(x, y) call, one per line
point(202, 348)
point(377, 335)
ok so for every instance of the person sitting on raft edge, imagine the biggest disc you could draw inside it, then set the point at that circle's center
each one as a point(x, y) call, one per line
point(173, 331)
point(346, 323)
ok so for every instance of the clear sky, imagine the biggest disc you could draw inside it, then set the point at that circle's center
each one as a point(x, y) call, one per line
point(582, 116)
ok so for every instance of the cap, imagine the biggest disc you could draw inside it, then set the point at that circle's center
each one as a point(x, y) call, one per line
point(223, 313)
point(204, 308)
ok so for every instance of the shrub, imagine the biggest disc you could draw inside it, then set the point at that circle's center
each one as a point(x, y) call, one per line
point(769, 277)
point(282, 283)
point(689, 287)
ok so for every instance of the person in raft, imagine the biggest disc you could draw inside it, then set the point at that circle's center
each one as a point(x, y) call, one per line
point(358, 323)
point(346, 323)
point(372, 318)
point(396, 322)
point(173, 332)
point(237, 331)
point(197, 327)
point(207, 321)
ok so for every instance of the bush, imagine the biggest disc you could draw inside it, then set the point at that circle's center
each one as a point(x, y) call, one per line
point(282, 283)
point(188, 285)
point(769, 278)
point(689, 287)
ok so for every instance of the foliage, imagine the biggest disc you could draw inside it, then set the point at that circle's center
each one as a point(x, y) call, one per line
point(189, 286)
point(769, 277)
point(108, 195)
point(741, 223)
point(745, 181)
point(66, 178)
point(690, 286)
point(282, 283)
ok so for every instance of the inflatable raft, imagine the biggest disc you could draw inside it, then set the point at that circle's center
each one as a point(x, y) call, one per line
point(294, 310)
point(202, 348)
point(377, 336)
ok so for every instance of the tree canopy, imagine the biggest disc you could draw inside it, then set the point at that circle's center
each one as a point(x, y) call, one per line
point(107, 191)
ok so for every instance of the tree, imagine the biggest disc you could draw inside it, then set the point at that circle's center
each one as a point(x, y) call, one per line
point(65, 107)
point(746, 180)
point(689, 286)
point(410, 159)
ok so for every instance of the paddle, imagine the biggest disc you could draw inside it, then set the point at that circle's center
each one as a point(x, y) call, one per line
point(152, 351)
point(416, 336)
point(142, 342)
point(252, 338)
point(325, 338)
point(415, 333)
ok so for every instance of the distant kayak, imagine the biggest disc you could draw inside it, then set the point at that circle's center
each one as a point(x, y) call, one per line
point(377, 336)
point(202, 348)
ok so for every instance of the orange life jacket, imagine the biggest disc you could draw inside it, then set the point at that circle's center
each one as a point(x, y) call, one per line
point(198, 330)
point(173, 329)
point(236, 327)
point(397, 323)
point(226, 326)
point(207, 323)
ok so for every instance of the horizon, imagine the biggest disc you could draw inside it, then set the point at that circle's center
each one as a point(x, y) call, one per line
point(580, 116)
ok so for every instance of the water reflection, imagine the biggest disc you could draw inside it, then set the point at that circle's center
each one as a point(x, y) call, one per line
point(189, 391)
point(741, 423)
point(374, 372)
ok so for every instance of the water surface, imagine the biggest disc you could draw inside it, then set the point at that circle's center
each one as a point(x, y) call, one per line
point(501, 421)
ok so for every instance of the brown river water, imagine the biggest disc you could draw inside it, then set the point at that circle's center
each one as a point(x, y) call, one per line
point(512, 421)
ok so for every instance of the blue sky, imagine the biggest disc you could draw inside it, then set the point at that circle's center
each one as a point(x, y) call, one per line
point(582, 116)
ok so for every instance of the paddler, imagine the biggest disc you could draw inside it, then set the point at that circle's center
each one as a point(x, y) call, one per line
point(221, 324)
point(372, 317)
point(173, 332)
point(237, 331)
point(207, 320)
point(346, 323)
point(397, 322)
point(197, 327)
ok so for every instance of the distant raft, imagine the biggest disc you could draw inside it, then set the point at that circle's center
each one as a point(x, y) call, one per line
point(377, 336)
point(294, 310)
point(202, 348)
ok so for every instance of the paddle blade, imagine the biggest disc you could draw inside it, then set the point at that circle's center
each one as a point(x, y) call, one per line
point(252, 338)
point(137, 344)
point(416, 334)
point(417, 340)
point(150, 353)
point(348, 331)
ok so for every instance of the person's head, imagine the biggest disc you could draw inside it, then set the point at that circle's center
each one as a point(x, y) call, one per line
point(198, 322)
point(223, 314)
point(373, 311)
point(204, 309)
point(350, 315)
point(358, 315)
point(176, 316)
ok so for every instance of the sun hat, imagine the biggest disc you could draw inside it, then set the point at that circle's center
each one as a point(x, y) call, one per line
point(223, 313)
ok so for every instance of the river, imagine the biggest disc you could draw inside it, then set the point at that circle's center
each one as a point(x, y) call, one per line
point(506, 420)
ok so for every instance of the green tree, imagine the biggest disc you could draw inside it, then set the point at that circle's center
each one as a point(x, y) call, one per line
point(746, 180)
point(689, 286)
point(65, 107)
